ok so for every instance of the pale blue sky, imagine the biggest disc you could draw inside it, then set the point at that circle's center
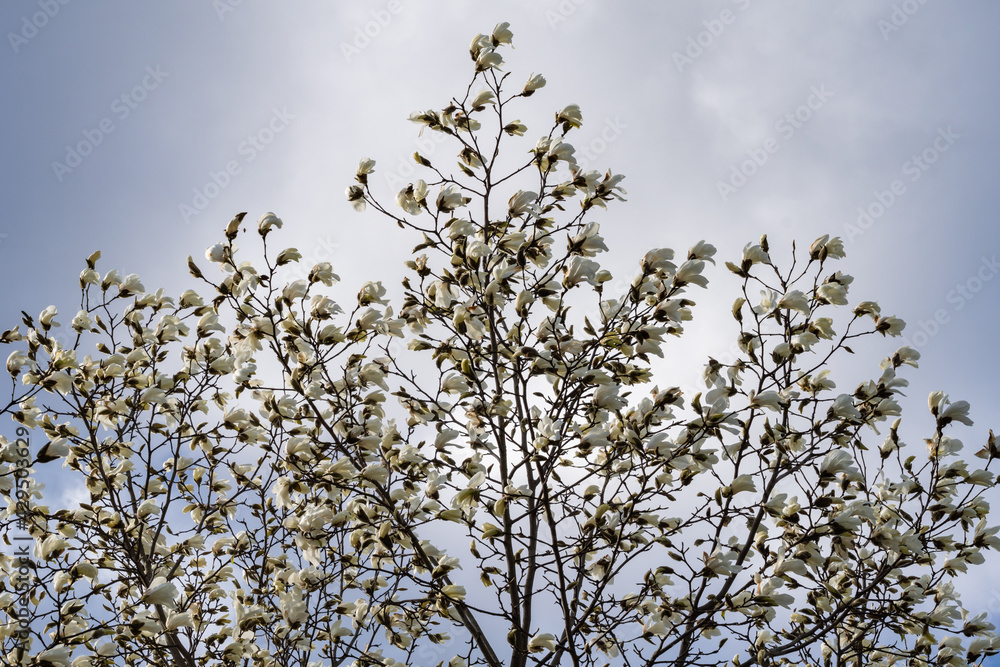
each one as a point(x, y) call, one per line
point(838, 103)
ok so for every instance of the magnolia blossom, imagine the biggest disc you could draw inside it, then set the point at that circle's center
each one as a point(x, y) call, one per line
point(57, 656)
point(365, 166)
point(413, 197)
point(544, 641)
point(825, 247)
point(535, 82)
point(580, 269)
point(570, 116)
point(47, 316)
point(501, 34)
point(481, 99)
point(296, 472)
point(754, 254)
point(160, 592)
point(947, 412)
point(720, 563)
point(795, 300)
point(739, 485)
point(450, 198)
point(267, 222)
point(522, 202)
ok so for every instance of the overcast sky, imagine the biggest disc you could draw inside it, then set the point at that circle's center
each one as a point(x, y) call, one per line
point(868, 119)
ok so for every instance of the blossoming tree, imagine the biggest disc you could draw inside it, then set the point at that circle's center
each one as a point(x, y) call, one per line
point(271, 480)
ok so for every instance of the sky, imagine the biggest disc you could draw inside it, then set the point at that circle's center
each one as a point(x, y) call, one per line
point(140, 129)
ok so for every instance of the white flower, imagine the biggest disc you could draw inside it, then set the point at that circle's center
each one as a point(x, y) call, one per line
point(580, 269)
point(689, 273)
point(450, 198)
point(836, 462)
point(588, 242)
point(61, 581)
point(267, 222)
point(502, 34)
point(658, 259)
point(293, 606)
point(741, 484)
point(522, 202)
point(606, 396)
point(356, 195)
point(454, 591)
point(702, 250)
point(16, 361)
point(789, 566)
point(82, 321)
point(106, 649)
point(570, 116)
point(160, 592)
point(832, 292)
point(481, 99)
point(535, 82)
point(765, 399)
point(52, 547)
point(47, 315)
point(488, 59)
point(893, 326)
point(947, 412)
point(153, 395)
point(822, 327)
point(843, 408)
point(545, 641)
point(57, 656)
point(721, 563)
point(53, 450)
point(824, 247)
point(515, 128)
point(112, 277)
point(287, 256)
point(130, 285)
point(754, 254)
point(216, 253)
point(906, 355)
point(413, 197)
point(554, 151)
point(795, 300)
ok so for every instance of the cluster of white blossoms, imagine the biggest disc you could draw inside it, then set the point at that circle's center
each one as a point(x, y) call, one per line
point(271, 480)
